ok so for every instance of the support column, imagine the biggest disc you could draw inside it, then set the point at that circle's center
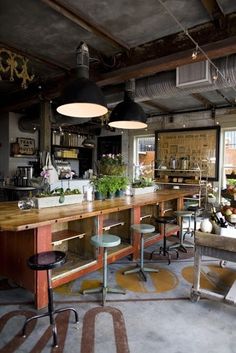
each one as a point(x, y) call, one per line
point(45, 126)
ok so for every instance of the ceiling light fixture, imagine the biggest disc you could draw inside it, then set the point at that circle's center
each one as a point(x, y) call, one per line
point(128, 115)
point(195, 53)
point(200, 50)
point(82, 98)
point(88, 142)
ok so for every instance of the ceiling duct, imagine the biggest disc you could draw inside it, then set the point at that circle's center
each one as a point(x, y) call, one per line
point(194, 74)
point(163, 85)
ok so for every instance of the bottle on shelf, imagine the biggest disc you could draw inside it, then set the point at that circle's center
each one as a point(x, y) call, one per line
point(218, 218)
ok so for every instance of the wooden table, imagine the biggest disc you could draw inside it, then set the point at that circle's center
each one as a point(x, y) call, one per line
point(216, 246)
point(23, 233)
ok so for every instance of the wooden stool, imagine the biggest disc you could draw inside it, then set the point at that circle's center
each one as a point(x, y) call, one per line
point(142, 229)
point(181, 245)
point(163, 249)
point(46, 261)
point(104, 241)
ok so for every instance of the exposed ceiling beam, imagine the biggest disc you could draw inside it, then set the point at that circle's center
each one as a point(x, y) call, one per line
point(41, 60)
point(215, 12)
point(205, 102)
point(146, 68)
point(158, 106)
point(225, 98)
point(85, 22)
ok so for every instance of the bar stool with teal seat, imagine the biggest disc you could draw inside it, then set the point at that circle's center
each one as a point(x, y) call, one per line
point(181, 245)
point(141, 269)
point(104, 241)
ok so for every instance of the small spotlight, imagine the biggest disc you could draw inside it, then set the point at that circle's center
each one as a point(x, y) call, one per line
point(215, 76)
point(195, 53)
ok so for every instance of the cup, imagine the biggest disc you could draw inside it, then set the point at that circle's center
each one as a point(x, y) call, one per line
point(26, 204)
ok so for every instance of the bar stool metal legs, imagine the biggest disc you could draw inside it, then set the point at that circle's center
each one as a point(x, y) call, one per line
point(181, 245)
point(55, 259)
point(105, 241)
point(140, 268)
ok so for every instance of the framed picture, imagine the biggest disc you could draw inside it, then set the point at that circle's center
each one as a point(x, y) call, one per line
point(26, 145)
point(200, 146)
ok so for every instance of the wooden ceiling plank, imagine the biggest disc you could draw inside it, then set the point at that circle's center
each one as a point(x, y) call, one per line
point(214, 50)
point(205, 102)
point(86, 23)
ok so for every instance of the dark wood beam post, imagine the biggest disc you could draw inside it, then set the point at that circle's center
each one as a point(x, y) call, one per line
point(45, 126)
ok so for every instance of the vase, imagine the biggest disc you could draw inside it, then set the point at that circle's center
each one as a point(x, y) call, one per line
point(111, 195)
point(206, 225)
point(99, 196)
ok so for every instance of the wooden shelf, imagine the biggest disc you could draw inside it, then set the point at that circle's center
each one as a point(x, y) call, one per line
point(109, 223)
point(64, 235)
point(120, 248)
point(74, 263)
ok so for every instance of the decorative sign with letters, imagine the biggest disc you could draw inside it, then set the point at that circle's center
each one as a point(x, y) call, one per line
point(26, 145)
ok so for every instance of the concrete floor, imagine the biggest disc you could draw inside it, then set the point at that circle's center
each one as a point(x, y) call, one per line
point(153, 316)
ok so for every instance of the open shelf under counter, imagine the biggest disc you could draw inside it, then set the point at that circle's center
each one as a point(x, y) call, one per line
point(74, 263)
point(110, 223)
point(64, 235)
point(122, 247)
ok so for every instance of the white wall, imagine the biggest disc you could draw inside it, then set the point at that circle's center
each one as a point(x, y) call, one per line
point(9, 132)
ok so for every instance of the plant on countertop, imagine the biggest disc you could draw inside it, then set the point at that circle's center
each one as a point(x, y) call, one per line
point(142, 183)
point(59, 192)
point(111, 164)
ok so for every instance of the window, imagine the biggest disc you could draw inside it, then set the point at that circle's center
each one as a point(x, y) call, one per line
point(144, 156)
point(229, 164)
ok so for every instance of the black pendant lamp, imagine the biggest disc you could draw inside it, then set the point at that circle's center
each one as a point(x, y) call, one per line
point(82, 98)
point(128, 114)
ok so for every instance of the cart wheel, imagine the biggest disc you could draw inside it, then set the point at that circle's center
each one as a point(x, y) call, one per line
point(223, 263)
point(194, 297)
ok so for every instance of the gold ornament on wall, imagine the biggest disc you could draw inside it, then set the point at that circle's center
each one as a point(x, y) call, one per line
point(14, 66)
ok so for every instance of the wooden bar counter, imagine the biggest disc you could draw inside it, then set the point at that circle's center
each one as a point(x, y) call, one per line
point(69, 228)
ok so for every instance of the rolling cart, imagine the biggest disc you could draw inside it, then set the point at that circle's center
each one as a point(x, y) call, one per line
point(216, 246)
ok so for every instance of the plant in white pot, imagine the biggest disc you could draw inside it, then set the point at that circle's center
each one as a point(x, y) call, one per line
point(143, 186)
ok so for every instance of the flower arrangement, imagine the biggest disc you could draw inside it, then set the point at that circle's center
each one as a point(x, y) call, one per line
point(112, 164)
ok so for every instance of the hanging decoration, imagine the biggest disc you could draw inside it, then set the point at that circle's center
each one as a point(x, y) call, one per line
point(13, 66)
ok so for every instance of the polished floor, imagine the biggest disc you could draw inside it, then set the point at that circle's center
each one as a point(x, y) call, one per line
point(153, 316)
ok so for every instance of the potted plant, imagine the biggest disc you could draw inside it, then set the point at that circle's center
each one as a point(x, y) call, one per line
point(58, 197)
point(111, 164)
point(122, 184)
point(143, 186)
point(100, 187)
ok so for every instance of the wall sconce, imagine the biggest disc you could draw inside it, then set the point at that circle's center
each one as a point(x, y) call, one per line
point(13, 66)
point(82, 98)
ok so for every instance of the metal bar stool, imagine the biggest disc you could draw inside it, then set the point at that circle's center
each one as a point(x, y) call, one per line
point(105, 241)
point(140, 268)
point(46, 261)
point(181, 245)
point(163, 249)
point(195, 210)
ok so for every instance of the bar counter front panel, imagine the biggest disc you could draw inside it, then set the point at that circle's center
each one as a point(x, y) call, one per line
point(69, 228)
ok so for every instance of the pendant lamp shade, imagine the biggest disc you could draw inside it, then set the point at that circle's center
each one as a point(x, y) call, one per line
point(82, 98)
point(128, 115)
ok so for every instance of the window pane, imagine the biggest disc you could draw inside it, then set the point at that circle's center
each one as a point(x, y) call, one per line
point(145, 156)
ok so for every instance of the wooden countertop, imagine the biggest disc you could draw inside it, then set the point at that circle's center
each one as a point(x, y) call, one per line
point(14, 219)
